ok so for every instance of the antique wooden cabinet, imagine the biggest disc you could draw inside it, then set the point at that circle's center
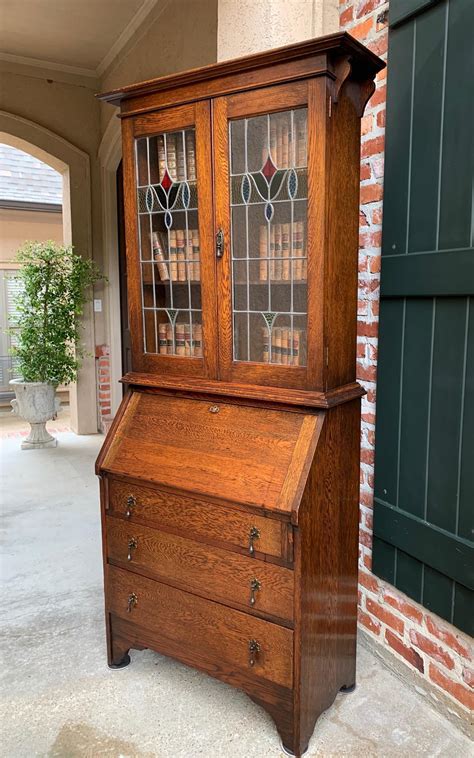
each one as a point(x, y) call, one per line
point(230, 476)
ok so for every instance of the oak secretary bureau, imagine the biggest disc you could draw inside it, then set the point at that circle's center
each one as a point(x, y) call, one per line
point(230, 476)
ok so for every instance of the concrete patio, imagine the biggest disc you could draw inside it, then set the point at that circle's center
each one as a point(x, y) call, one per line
point(60, 699)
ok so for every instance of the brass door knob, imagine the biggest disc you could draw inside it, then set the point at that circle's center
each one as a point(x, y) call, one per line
point(254, 649)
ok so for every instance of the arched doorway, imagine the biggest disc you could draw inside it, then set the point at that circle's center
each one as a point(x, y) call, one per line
point(73, 164)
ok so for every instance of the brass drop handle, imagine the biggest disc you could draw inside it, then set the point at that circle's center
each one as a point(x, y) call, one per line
point(132, 601)
point(132, 545)
point(254, 649)
point(254, 534)
point(131, 503)
point(254, 587)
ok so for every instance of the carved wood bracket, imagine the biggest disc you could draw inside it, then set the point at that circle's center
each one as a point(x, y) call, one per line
point(357, 86)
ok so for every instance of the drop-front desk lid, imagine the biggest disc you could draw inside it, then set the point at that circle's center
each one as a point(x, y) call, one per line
point(243, 454)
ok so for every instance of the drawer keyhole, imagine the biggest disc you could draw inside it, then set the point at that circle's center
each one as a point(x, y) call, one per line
point(254, 534)
point(132, 545)
point(132, 601)
point(254, 587)
point(131, 503)
point(254, 649)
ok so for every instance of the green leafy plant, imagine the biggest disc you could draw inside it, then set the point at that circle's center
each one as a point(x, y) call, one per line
point(56, 284)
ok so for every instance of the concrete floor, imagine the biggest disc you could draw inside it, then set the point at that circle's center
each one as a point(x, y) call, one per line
point(59, 698)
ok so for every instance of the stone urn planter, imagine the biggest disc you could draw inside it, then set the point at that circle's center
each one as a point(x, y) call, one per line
point(36, 402)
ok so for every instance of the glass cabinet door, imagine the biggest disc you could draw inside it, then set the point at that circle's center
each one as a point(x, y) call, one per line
point(172, 239)
point(267, 238)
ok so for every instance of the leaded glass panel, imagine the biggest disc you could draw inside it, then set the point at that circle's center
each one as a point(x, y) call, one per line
point(170, 255)
point(268, 194)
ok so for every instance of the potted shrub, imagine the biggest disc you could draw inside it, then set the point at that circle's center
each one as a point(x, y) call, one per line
point(56, 283)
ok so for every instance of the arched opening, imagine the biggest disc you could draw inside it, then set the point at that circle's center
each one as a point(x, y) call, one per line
point(73, 165)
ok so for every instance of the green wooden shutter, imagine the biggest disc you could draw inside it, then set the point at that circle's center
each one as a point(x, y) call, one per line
point(424, 461)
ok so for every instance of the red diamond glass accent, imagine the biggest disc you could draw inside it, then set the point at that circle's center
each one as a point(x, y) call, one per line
point(269, 169)
point(166, 182)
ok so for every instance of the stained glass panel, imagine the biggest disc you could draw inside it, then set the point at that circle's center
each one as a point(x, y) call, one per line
point(170, 255)
point(268, 192)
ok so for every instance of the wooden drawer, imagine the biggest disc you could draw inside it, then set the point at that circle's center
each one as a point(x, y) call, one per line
point(203, 520)
point(207, 570)
point(199, 627)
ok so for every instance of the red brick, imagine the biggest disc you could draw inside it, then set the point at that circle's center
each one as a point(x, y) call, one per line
point(369, 418)
point(370, 239)
point(410, 655)
point(431, 649)
point(379, 97)
point(362, 30)
point(346, 16)
point(104, 388)
point(458, 691)
point(407, 609)
point(447, 637)
point(364, 171)
point(381, 118)
point(370, 193)
point(366, 124)
point(375, 263)
point(369, 521)
point(367, 498)
point(468, 676)
point(371, 624)
point(365, 538)
point(367, 329)
point(377, 216)
point(369, 373)
point(367, 456)
point(366, 6)
point(363, 219)
point(367, 561)
point(379, 45)
point(372, 146)
point(368, 581)
point(384, 615)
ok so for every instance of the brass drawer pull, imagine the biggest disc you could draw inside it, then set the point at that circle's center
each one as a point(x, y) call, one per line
point(254, 587)
point(132, 545)
point(131, 503)
point(132, 601)
point(254, 534)
point(254, 649)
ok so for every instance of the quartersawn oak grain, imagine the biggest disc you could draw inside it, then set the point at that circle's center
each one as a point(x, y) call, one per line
point(239, 471)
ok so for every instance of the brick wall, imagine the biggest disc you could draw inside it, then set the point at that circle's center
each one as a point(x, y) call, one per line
point(433, 649)
point(102, 367)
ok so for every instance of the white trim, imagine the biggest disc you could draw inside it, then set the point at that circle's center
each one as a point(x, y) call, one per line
point(40, 63)
point(126, 34)
point(110, 153)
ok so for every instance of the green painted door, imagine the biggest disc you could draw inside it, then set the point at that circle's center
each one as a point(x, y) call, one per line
point(424, 464)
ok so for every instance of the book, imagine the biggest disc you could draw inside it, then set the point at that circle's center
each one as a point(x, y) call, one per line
point(197, 340)
point(162, 338)
point(272, 252)
point(285, 251)
point(284, 346)
point(169, 339)
point(191, 156)
point(298, 231)
point(263, 253)
point(173, 257)
point(180, 167)
point(187, 339)
point(180, 255)
point(285, 144)
point(301, 140)
point(266, 344)
point(161, 155)
point(278, 253)
point(196, 255)
point(276, 345)
point(180, 345)
point(159, 257)
point(171, 155)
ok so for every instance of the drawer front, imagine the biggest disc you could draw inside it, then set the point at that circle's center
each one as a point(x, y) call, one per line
point(201, 627)
point(202, 519)
point(210, 571)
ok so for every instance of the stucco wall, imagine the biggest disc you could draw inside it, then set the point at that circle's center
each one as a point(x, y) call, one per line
point(16, 227)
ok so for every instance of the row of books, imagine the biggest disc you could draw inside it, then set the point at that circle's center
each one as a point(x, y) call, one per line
point(182, 252)
point(285, 344)
point(282, 143)
point(178, 158)
point(280, 249)
point(187, 339)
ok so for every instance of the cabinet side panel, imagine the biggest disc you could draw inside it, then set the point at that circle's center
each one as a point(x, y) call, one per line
point(327, 564)
point(343, 240)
